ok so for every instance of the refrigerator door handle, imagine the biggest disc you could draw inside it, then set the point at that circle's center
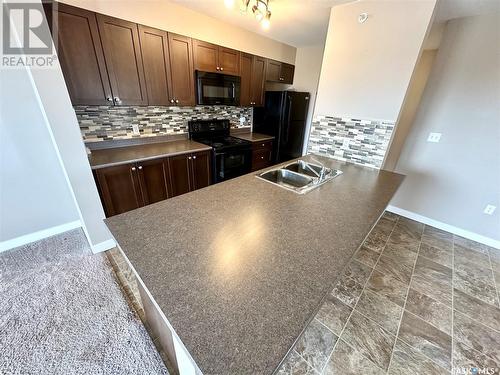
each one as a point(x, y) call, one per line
point(288, 118)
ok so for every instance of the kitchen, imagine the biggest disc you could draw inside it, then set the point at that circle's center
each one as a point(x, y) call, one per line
point(243, 203)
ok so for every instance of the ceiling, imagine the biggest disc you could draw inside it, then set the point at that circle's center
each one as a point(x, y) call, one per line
point(304, 22)
point(294, 22)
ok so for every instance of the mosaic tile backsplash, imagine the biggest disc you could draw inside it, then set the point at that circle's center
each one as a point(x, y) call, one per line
point(100, 123)
point(359, 141)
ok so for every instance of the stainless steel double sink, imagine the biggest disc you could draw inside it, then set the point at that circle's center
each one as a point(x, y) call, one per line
point(300, 176)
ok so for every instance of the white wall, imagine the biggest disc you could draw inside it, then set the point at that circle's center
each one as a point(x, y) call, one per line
point(452, 181)
point(34, 194)
point(47, 98)
point(367, 67)
point(307, 69)
point(169, 16)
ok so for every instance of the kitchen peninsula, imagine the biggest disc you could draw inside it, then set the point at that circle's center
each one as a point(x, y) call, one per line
point(236, 271)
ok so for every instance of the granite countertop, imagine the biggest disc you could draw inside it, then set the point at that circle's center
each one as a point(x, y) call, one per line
point(253, 137)
point(129, 154)
point(241, 267)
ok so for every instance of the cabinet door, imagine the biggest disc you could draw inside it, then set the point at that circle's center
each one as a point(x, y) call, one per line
point(229, 61)
point(155, 56)
point(287, 72)
point(205, 56)
point(273, 71)
point(120, 41)
point(246, 80)
point(181, 68)
point(119, 188)
point(200, 170)
point(258, 80)
point(179, 167)
point(154, 180)
point(81, 56)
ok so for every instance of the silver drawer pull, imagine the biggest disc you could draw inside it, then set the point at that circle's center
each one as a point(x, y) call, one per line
point(133, 168)
point(194, 157)
point(140, 167)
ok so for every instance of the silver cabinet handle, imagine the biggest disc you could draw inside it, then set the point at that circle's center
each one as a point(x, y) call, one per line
point(262, 157)
point(176, 101)
point(133, 168)
point(221, 68)
point(172, 100)
point(140, 167)
point(117, 99)
point(217, 68)
point(109, 99)
point(194, 157)
point(189, 157)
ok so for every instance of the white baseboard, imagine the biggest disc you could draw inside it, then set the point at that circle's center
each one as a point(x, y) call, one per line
point(449, 228)
point(39, 235)
point(103, 246)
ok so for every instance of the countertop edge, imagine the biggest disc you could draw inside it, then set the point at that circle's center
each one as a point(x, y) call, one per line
point(159, 156)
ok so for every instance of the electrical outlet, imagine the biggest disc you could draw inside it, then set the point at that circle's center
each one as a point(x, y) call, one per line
point(135, 129)
point(489, 209)
point(434, 137)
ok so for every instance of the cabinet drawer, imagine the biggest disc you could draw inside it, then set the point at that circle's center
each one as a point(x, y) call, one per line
point(262, 145)
point(261, 158)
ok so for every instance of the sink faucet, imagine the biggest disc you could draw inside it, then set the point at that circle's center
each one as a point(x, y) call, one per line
point(321, 174)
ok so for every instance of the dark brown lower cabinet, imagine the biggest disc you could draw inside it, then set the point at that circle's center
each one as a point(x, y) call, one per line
point(154, 180)
point(190, 172)
point(261, 155)
point(130, 186)
point(119, 188)
point(180, 172)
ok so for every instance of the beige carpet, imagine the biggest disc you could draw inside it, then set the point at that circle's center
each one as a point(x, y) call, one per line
point(62, 312)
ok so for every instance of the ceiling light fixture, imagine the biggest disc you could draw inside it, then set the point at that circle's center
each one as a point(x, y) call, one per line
point(260, 9)
point(229, 4)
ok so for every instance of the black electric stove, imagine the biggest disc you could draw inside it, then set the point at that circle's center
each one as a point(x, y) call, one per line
point(232, 156)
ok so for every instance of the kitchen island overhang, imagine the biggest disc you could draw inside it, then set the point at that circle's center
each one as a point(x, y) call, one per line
point(236, 270)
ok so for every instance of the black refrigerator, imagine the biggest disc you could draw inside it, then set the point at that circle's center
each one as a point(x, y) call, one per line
point(283, 116)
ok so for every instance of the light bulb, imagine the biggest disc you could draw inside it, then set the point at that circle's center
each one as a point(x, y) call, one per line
point(266, 22)
point(229, 4)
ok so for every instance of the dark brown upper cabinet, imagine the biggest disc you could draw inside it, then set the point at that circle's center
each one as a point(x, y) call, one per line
point(279, 72)
point(287, 72)
point(246, 61)
point(252, 80)
point(229, 61)
point(181, 68)
point(155, 56)
point(122, 52)
point(213, 58)
point(273, 71)
point(81, 56)
point(205, 56)
point(258, 80)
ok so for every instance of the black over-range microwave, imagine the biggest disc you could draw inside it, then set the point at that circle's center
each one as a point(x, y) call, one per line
point(217, 89)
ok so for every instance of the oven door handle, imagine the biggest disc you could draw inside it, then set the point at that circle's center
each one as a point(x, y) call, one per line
point(222, 156)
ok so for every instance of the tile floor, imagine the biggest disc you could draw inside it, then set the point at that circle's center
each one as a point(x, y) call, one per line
point(413, 300)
